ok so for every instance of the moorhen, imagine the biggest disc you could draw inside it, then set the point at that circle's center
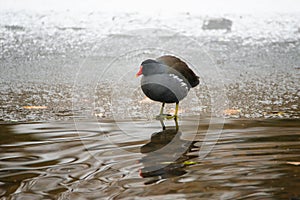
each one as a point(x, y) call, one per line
point(168, 80)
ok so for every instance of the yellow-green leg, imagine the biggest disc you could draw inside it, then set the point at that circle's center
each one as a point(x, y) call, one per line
point(162, 108)
point(161, 115)
point(162, 124)
point(176, 123)
point(175, 116)
point(167, 116)
point(176, 111)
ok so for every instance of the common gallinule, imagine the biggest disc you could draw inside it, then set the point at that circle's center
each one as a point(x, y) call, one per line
point(168, 80)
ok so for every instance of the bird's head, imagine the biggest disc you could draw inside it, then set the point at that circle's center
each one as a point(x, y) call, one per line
point(150, 67)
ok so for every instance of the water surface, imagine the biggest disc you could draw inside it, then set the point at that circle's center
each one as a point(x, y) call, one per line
point(75, 124)
point(253, 159)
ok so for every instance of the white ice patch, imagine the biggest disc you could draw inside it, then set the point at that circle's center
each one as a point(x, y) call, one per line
point(182, 83)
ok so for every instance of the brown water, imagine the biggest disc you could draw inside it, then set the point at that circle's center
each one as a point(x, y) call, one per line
point(252, 159)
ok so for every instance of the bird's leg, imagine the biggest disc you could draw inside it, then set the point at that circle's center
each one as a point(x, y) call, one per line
point(162, 124)
point(175, 116)
point(176, 111)
point(161, 115)
point(162, 108)
point(176, 123)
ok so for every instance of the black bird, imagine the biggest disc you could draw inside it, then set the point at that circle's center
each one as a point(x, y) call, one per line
point(168, 80)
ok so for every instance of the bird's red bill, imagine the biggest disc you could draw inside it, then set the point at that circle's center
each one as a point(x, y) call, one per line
point(140, 72)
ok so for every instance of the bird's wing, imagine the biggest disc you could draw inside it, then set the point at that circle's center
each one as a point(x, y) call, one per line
point(181, 67)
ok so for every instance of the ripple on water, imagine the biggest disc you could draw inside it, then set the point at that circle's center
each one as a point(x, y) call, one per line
point(45, 183)
point(69, 168)
point(29, 196)
point(19, 159)
point(250, 160)
point(90, 185)
point(2, 190)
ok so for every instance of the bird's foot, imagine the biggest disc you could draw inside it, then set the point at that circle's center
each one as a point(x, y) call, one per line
point(165, 116)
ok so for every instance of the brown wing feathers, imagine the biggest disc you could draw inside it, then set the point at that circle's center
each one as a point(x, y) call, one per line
point(181, 67)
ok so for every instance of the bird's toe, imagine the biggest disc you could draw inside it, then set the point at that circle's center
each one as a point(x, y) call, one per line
point(165, 116)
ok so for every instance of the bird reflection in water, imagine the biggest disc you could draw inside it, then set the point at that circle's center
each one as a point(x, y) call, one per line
point(166, 155)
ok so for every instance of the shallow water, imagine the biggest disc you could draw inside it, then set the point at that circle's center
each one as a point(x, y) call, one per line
point(66, 69)
point(250, 159)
